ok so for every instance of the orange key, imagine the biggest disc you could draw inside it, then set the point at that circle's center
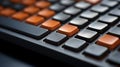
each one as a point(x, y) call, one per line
point(68, 30)
point(7, 12)
point(16, 1)
point(93, 1)
point(28, 2)
point(43, 4)
point(109, 41)
point(35, 20)
point(47, 13)
point(31, 9)
point(51, 24)
point(20, 16)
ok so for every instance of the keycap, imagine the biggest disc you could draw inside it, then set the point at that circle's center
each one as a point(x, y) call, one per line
point(68, 30)
point(51, 24)
point(109, 41)
point(93, 1)
point(89, 15)
point(75, 44)
point(57, 7)
point(100, 9)
point(80, 22)
point(61, 17)
point(7, 12)
point(87, 35)
point(115, 31)
point(55, 39)
point(98, 26)
point(35, 20)
point(82, 5)
point(28, 2)
point(67, 2)
point(47, 13)
point(18, 7)
point(23, 28)
point(109, 3)
point(96, 51)
point(31, 9)
point(20, 16)
point(72, 10)
point(43, 4)
point(115, 12)
point(114, 58)
point(6, 3)
point(108, 19)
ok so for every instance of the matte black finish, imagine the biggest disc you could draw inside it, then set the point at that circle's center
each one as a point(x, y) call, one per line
point(23, 28)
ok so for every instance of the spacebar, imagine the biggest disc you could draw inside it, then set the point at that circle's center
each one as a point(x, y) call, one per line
point(23, 28)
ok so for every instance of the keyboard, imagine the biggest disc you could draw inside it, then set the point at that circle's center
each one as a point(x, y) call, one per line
point(72, 31)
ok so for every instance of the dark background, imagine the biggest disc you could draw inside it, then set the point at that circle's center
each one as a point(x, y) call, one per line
point(14, 56)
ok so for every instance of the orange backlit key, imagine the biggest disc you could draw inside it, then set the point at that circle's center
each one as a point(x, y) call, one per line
point(28, 2)
point(7, 12)
point(35, 20)
point(43, 4)
point(51, 24)
point(47, 13)
point(93, 1)
point(20, 16)
point(16, 1)
point(31, 9)
point(68, 30)
point(109, 41)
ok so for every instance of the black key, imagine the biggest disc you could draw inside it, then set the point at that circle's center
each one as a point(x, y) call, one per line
point(61, 17)
point(114, 58)
point(80, 22)
point(56, 39)
point(115, 31)
point(89, 15)
point(115, 12)
point(67, 2)
point(96, 51)
point(82, 5)
point(57, 7)
point(109, 19)
point(23, 28)
point(18, 7)
point(109, 3)
point(98, 26)
point(75, 44)
point(6, 3)
point(87, 35)
point(100, 9)
point(72, 10)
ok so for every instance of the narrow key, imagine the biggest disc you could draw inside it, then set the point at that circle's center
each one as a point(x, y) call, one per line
point(23, 28)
